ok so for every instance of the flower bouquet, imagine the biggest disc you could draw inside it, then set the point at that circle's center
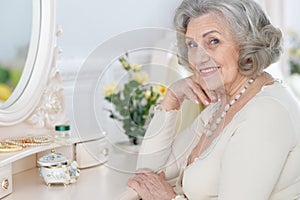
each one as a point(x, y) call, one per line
point(294, 52)
point(133, 102)
point(293, 79)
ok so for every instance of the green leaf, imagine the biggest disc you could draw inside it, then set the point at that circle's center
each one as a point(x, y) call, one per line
point(133, 84)
point(4, 75)
point(129, 88)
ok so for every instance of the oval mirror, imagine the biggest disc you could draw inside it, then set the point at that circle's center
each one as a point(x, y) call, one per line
point(15, 37)
point(37, 49)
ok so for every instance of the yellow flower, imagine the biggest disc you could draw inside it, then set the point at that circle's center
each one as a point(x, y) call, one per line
point(140, 77)
point(110, 89)
point(5, 92)
point(160, 89)
point(297, 53)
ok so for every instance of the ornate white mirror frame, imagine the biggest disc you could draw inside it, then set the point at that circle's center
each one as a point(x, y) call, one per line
point(38, 102)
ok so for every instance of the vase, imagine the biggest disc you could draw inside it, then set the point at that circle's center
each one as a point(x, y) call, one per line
point(135, 140)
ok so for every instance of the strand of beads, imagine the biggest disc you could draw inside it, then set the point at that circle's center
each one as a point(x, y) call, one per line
point(7, 147)
point(210, 128)
point(30, 141)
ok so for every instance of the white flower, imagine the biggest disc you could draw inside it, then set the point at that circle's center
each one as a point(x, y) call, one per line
point(140, 77)
point(110, 89)
point(144, 102)
point(147, 94)
point(136, 67)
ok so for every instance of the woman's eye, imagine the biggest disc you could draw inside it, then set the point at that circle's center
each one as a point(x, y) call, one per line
point(214, 41)
point(191, 44)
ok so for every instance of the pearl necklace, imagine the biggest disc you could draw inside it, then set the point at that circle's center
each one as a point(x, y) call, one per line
point(30, 141)
point(209, 127)
point(7, 147)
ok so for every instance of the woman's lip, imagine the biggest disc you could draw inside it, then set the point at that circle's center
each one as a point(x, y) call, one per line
point(208, 71)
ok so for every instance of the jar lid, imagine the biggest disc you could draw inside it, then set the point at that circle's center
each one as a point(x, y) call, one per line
point(53, 160)
point(62, 127)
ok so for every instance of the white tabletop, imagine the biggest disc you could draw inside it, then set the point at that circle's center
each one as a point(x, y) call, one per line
point(105, 182)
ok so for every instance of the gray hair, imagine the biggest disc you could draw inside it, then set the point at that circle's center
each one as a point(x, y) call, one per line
point(259, 41)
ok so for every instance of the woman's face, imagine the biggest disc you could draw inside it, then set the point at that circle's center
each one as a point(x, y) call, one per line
point(213, 53)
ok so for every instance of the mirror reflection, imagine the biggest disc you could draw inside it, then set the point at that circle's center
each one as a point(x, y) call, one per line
point(16, 26)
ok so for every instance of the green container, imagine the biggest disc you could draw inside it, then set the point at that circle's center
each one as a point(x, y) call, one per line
point(62, 131)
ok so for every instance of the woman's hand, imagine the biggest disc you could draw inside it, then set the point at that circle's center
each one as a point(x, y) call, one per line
point(187, 88)
point(151, 186)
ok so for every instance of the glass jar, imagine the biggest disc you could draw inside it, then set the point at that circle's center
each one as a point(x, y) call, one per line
point(62, 131)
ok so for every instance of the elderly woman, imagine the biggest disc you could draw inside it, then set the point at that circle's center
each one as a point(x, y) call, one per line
point(245, 144)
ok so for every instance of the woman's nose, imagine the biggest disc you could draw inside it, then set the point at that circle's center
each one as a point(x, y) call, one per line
point(199, 56)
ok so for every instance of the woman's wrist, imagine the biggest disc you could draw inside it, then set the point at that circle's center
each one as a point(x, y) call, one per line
point(170, 102)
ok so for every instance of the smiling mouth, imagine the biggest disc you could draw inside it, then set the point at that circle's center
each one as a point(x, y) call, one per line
point(208, 71)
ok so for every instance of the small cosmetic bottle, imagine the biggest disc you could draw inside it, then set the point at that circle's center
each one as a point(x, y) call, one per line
point(62, 131)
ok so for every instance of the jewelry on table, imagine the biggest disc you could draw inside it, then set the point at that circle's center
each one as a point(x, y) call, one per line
point(7, 147)
point(30, 141)
point(209, 127)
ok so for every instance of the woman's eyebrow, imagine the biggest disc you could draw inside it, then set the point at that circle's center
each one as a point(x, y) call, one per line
point(204, 34)
point(209, 32)
point(188, 38)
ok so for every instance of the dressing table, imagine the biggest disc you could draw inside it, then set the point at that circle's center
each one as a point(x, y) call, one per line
point(36, 105)
point(100, 182)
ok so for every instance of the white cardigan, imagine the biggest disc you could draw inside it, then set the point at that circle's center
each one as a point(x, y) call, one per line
point(256, 157)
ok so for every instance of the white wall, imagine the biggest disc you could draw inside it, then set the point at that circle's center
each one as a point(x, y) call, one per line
point(88, 23)
point(292, 14)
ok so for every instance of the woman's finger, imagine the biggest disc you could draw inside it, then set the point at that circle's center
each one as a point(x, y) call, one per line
point(134, 184)
point(162, 174)
point(143, 188)
point(197, 90)
point(191, 95)
point(201, 95)
point(213, 96)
